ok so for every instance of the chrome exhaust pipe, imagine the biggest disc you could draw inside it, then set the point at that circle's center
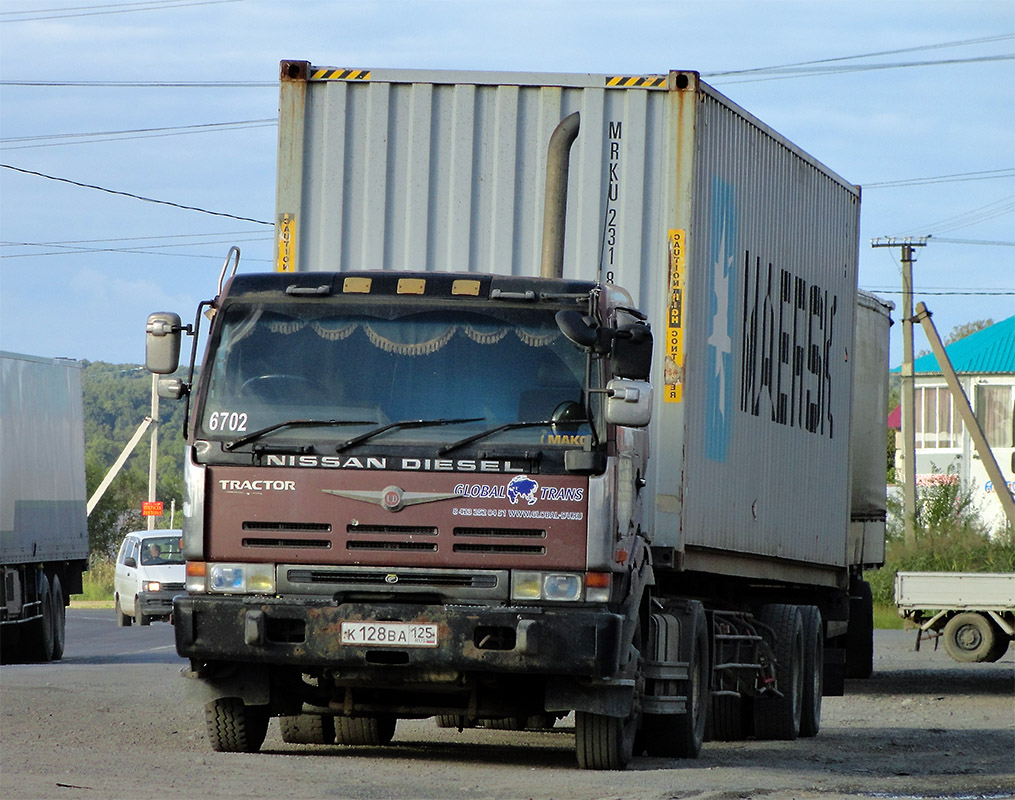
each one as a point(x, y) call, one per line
point(558, 159)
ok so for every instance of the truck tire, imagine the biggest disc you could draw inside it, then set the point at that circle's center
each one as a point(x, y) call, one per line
point(42, 634)
point(458, 721)
point(59, 619)
point(814, 670)
point(308, 729)
point(726, 719)
point(234, 727)
point(681, 735)
point(860, 633)
point(368, 731)
point(603, 742)
point(122, 620)
point(779, 717)
point(970, 637)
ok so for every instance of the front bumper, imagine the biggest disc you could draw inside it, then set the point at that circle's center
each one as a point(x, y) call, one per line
point(305, 632)
point(156, 604)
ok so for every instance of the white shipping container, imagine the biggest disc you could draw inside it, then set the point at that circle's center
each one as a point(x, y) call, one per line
point(740, 247)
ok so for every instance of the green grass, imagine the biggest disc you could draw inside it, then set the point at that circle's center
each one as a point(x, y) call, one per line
point(97, 583)
point(886, 617)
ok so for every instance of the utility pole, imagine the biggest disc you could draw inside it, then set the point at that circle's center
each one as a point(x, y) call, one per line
point(907, 246)
point(154, 454)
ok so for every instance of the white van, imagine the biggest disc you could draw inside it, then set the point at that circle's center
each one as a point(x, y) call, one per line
point(150, 572)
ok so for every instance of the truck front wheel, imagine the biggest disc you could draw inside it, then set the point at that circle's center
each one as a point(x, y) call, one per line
point(970, 637)
point(43, 631)
point(233, 727)
point(59, 619)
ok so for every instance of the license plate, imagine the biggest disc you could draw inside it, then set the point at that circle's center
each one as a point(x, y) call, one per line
point(389, 634)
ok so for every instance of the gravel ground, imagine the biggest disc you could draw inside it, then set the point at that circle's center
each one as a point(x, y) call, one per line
point(113, 721)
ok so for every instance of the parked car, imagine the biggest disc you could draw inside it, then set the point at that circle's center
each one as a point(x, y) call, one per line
point(150, 571)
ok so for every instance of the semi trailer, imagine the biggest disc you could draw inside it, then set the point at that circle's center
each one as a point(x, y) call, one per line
point(561, 398)
point(43, 524)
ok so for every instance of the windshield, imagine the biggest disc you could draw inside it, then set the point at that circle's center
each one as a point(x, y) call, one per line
point(390, 373)
point(161, 550)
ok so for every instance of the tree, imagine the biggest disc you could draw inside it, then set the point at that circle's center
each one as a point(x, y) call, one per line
point(966, 328)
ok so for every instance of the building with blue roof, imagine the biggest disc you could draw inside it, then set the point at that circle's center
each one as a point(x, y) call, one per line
point(985, 364)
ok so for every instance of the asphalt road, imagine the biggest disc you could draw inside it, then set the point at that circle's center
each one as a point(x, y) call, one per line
point(113, 720)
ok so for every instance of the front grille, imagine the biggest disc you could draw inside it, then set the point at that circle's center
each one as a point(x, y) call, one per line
point(320, 544)
point(428, 547)
point(172, 587)
point(310, 527)
point(507, 533)
point(514, 549)
point(359, 579)
point(398, 530)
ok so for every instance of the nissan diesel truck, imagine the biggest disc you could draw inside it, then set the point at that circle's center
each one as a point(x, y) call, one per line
point(561, 399)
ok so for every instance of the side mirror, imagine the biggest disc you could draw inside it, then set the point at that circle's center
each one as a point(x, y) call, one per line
point(162, 342)
point(631, 356)
point(130, 561)
point(628, 403)
point(580, 329)
point(170, 388)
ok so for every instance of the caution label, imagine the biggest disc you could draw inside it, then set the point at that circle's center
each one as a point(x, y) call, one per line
point(673, 366)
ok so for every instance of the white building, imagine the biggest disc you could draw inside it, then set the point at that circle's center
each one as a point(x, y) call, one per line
point(985, 364)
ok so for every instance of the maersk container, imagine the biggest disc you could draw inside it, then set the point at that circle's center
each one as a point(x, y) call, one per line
point(740, 247)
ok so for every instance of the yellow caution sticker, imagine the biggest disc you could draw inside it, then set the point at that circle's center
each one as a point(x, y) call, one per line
point(340, 75)
point(673, 364)
point(286, 232)
point(636, 81)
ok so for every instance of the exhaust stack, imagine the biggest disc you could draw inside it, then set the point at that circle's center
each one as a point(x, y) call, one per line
point(558, 158)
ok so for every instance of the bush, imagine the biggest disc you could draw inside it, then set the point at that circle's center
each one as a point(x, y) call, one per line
point(97, 583)
point(948, 537)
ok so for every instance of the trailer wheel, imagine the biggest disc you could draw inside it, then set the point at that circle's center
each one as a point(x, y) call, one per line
point(860, 633)
point(726, 719)
point(122, 620)
point(59, 619)
point(814, 670)
point(308, 729)
point(779, 717)
point(681, 735)
point(970, 637)
point(42, 635)
point(234, 727)
point(369, 731)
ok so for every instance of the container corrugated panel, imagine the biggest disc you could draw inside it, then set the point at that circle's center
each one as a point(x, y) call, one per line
point(432, 171)
point(42, 461)
point(771, 302)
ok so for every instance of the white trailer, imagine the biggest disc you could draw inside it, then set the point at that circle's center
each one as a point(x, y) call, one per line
point(973, 611)
point(43, 524)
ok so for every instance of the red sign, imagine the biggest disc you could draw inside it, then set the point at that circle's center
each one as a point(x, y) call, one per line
point(151, 508)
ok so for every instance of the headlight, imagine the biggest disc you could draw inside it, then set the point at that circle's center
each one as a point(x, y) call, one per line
point(230, 578)
point(593, 587)
point(152, 586)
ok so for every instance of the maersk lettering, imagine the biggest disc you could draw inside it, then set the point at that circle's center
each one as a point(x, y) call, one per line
point(385, 462)
point(788, 327)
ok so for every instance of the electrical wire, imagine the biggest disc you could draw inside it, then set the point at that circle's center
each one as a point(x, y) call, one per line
point(134, 196)
point(958, 177)
point(62, 139)
point(112, 8)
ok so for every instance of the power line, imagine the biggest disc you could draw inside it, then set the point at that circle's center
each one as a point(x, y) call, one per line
point(775, 74)
point(112, 8)
point(937, 46)
point(949, 293)
point(149, 84)
point(134, 196)
point(958, 177)
point(61, 139)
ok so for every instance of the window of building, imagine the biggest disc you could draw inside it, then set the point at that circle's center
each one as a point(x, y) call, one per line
point(995, 411)
point(938, 424)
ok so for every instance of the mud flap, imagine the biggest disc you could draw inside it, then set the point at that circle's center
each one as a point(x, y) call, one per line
point(664, 665)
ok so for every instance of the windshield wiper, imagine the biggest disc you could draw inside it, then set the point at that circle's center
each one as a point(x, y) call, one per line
point(296, 423)
point(407, 423)
point(505, 427)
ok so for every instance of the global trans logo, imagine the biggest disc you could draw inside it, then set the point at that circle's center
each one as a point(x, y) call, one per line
point(522, 487)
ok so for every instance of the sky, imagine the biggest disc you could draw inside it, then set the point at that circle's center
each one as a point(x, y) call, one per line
point(175, 101)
